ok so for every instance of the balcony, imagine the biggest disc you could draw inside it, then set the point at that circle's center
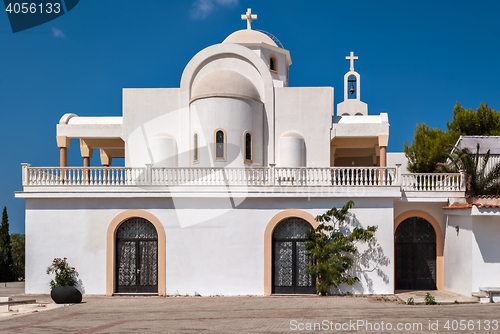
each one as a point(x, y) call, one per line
point(260, 177)
point(432, 182)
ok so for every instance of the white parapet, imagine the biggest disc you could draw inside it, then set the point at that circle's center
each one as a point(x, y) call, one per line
point(209, 176)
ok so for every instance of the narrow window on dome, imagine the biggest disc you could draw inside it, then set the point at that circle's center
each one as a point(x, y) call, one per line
point(248, 147)
point(220, 145)
point(196, 152)
point(273, 64)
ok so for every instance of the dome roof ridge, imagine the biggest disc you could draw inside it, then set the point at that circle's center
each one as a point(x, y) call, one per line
point(249, 36)
point(226, 83)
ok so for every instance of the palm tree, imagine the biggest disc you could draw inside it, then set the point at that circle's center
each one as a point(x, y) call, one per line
point(478, 181)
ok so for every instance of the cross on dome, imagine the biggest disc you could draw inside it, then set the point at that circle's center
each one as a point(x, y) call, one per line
point(249, 17)
point(352, 58)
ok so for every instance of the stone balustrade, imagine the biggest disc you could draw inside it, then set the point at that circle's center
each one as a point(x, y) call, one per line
point(255, 176)
point(432, 182)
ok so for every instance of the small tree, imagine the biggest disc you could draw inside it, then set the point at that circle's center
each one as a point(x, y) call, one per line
point(332, 250)
point(428, 148)
point(18, 254)
point(467, 122)
point(6, 263)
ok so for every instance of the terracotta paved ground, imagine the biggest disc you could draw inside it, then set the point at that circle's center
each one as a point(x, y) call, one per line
point(250, 315)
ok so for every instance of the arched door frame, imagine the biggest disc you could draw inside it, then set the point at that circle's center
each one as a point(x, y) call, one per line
point(111, 249)
point(439, 240)
point(268, 241)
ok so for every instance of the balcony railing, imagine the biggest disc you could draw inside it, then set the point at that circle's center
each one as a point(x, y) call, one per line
point(260, 176)
point(432, 182)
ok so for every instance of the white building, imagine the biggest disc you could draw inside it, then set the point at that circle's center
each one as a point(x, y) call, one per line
point(223, 175)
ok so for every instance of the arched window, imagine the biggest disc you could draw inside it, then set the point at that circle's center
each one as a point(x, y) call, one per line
point(273, 64)
point(220, 145)
point(196, 158)
point(359, 114)
point(248, 145)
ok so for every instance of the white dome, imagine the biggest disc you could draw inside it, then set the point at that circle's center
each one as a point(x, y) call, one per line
point(292, 150)
point(225, 83)
point(249, 36)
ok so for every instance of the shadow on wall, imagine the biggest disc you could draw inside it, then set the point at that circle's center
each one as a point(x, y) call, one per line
point(370, 258)
point(486, 234)
point(79, 286)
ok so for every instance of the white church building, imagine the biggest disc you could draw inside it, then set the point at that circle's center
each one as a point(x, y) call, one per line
point(224, 174)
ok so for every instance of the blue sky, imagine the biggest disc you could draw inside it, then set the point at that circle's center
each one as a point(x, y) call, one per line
point(416, 60)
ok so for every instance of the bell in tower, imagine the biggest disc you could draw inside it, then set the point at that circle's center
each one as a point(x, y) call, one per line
point(352, 90)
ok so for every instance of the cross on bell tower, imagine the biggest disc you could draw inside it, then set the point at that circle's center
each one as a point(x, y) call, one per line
point(351, 58)
point(249, 17)
point(351, 87)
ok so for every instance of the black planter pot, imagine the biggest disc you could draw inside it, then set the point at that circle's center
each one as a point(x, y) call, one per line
point(66, 295)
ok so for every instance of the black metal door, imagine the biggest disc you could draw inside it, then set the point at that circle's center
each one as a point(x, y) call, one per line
point(136, 257)
point(290, 259)
point(415, 255)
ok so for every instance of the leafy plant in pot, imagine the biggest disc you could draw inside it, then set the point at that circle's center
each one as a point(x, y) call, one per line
point(63, 285)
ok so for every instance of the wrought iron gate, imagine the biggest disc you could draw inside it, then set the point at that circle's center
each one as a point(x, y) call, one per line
point(415, 255)
point(136, 257)
point(290, 258)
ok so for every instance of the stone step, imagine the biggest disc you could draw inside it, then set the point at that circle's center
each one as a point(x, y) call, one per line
point(490, 290)
point(135, 294)
point(479, 294)
point(18, 302)
point(6, 302)
point(491, 294)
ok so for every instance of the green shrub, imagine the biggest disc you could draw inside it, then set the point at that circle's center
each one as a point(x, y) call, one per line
point(65, 275)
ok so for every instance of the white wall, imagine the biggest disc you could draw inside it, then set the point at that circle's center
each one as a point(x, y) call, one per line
point(211, 247)
point(457, 255)
point(485, 252)
point(65, 229)
point(307, 111)
point(394, 158)
point(472, 252)
point(163, 150)
point(147, 112)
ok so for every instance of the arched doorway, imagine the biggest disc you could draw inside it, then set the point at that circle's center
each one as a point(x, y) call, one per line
point(415, 255)
point(136, 257)
point(290, 258)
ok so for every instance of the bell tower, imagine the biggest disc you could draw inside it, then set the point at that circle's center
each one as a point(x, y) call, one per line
point(352, 105)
